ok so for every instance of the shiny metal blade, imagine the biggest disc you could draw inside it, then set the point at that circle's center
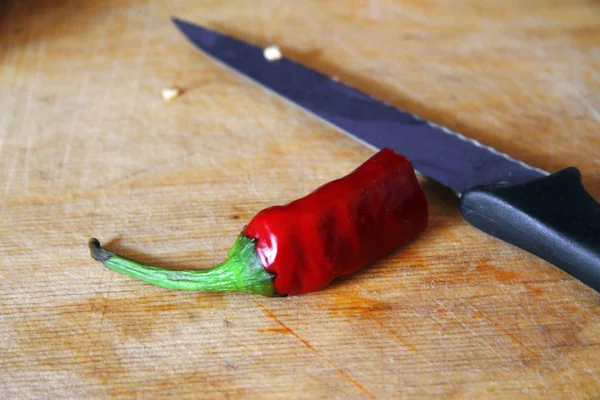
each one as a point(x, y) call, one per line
point(437, 152)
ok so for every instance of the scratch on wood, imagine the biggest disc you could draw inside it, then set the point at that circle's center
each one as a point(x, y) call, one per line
point(374, 9)
point(591, 108)
point(274, 330)
point(9, 112)
point(10, 177)
point(139, 64)
point(105, 305)
point(72, 128)
point(271, 315)
point(499, 327)
point(399, 338)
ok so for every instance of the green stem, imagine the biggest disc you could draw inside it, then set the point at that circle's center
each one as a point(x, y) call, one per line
point(242, 271)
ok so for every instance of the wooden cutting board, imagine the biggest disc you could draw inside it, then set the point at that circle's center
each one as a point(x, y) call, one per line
point(89, 147)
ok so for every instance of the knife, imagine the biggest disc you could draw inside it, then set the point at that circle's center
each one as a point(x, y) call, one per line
point(549, 215)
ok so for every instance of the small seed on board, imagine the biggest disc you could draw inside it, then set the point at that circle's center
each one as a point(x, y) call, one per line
point(272, 53)
point(169, 94)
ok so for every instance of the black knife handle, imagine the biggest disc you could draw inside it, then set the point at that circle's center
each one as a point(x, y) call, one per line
point(553, 217)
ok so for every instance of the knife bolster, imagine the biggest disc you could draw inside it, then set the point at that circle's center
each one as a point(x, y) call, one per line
point(553, 217)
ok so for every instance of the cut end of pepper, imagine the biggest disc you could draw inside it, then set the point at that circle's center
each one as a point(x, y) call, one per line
point(97, 252)
point(242, 271)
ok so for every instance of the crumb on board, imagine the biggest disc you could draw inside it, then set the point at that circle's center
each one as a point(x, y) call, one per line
point(272, 52)
point(169, 94)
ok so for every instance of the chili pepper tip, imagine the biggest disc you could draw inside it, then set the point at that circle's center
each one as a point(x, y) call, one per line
point(97, 252)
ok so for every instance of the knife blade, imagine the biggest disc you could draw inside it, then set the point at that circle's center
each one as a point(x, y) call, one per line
point(549, 215)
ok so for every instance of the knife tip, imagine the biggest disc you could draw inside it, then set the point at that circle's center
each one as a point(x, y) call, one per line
point(189, 28)
point(177, 21)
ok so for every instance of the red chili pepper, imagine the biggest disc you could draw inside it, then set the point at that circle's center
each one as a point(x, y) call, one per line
point(301, 247)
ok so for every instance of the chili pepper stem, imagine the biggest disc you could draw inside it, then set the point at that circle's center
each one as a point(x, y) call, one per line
point(242, 271)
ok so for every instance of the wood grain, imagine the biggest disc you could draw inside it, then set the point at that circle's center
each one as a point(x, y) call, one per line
point(88, 147)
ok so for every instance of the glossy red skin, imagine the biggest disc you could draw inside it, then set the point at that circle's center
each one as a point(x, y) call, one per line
point(342, 226)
